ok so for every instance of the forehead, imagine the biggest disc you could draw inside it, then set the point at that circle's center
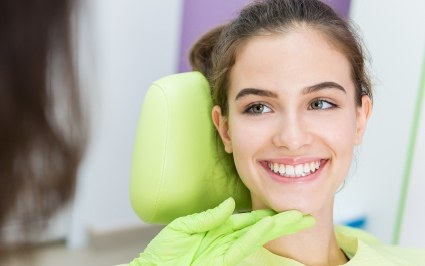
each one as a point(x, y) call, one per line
point(293, 59)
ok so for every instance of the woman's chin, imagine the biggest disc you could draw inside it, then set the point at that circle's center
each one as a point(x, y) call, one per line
point(303, 207)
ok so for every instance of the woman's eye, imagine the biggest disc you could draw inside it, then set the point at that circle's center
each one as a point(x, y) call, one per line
point(321, 104)
point(258, 108)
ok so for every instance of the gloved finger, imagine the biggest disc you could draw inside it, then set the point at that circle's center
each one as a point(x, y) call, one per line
point(283, 226)
point(265, 230)
point(242, 220)
point(237, 224)
point(248, 242)
point(282, 219)
point(293, 217)
point(204, 221)
point(286, 223)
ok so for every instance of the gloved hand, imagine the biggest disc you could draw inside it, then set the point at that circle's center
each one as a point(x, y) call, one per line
point(216, 237)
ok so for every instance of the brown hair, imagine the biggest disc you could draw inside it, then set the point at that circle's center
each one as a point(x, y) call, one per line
point(215, 53)
point(42, 133)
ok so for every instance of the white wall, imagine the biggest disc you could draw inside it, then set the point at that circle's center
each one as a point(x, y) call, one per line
point(133, 42)
point(411, 232)
point(394, 33)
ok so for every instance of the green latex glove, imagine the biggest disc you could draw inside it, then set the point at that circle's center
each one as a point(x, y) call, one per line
point(218, 237)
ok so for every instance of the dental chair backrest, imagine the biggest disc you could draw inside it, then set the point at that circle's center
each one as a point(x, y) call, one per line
point(179, 165)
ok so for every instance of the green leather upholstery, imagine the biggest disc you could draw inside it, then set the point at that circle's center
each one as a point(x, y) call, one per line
point(179, 164)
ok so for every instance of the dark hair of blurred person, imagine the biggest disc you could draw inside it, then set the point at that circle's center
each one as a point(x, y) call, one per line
point(42, 131)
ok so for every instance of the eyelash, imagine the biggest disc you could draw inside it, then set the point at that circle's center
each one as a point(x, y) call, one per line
point(250, 109)
point(332, 105)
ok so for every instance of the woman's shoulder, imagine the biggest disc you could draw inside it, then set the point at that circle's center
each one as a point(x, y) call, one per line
point(369, 249)
point(398, 255)
point(351, 232)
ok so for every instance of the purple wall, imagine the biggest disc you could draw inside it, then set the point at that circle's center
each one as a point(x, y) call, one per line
point(198, 17)
point(201, 15)
point(342, 7)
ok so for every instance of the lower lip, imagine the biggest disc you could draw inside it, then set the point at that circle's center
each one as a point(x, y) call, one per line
point(297, 180)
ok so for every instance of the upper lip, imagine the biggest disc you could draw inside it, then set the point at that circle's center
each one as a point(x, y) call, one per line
point(295, 160)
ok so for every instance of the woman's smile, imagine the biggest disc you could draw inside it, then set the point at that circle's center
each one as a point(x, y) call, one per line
point(287, 172)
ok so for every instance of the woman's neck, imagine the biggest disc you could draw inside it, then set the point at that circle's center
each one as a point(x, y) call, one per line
point(315, 246)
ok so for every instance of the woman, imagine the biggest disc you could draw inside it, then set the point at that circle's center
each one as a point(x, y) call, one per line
point(292, 100)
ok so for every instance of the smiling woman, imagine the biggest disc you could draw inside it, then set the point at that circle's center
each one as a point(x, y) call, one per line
point(305, 112)
point(292, 100)
point(306, 115)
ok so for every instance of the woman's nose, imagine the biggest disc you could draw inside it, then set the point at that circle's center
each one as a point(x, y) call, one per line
point(292, 132)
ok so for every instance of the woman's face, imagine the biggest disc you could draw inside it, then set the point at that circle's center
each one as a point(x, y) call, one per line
point(292, 121)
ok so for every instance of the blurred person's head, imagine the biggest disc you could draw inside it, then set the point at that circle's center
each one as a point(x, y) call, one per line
point(41, 131)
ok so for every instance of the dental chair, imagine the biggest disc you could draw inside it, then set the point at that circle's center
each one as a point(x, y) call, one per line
point(179, 164)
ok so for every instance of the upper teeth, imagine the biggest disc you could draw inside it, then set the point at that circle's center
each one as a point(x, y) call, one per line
point(296, 170)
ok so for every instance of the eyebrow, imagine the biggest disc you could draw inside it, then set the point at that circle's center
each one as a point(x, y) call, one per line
point(306, 90)
point(323, 85)
point(253, 91)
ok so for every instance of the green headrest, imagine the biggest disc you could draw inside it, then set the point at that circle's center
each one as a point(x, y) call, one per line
point(179, 163)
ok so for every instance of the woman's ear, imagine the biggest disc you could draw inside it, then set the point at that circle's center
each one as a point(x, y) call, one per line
point(222, 125)
point(363, 114)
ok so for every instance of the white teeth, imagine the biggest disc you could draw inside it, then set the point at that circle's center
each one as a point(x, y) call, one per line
point(297, 170)
point(276, 168)
point(313, 167)
point(306, 168)
point(290, 170)
point(281, 169)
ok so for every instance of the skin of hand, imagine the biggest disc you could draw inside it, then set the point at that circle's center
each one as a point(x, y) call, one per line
point(219, 237)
